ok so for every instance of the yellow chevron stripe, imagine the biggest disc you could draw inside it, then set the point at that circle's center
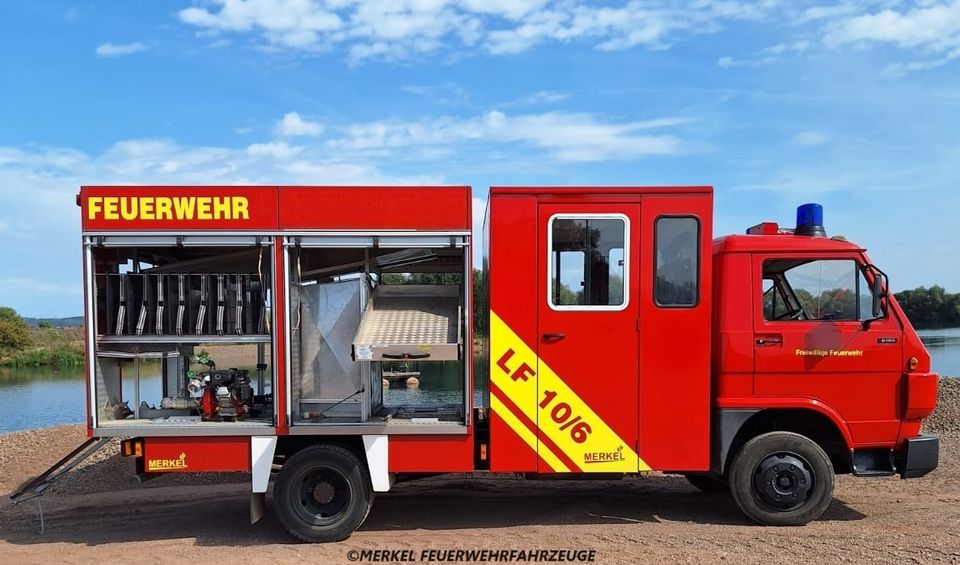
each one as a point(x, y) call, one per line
point(525, 434)
point(555, 408)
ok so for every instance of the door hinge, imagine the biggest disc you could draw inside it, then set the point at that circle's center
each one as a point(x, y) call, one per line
point(638, 323)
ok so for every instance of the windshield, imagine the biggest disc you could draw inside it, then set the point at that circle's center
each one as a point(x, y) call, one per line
point(815, 289)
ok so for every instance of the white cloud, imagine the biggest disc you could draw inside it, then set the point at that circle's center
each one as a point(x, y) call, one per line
point(932, 25)
point(277, 150)
point(544, 97)
point(897, 70)
point(809, 138)
point(393, 29)
point(120, 49)
point(17, 285)
point(292, 124)
point(564, 136)
point(445, 94)
point(766, 56)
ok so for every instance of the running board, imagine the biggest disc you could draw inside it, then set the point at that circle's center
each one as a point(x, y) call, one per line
point(36, 488)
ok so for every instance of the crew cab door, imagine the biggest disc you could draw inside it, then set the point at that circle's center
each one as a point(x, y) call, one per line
point(587, 386)
point(812, 346)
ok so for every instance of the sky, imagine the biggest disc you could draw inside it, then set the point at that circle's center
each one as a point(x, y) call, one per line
point(854, 104)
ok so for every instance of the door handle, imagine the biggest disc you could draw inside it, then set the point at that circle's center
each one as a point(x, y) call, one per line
point(769, 340)
point(554, 336)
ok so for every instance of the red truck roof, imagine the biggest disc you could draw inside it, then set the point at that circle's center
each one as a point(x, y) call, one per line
point(782, 242)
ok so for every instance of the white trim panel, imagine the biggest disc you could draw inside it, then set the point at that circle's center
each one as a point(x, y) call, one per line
point(262, 450)
point(377, 451)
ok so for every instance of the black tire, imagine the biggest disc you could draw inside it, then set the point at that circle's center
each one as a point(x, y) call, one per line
point(323, 493)
point(707, 483)
point(782, 479)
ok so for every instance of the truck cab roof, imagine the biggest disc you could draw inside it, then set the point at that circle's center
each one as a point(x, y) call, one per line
point(783, 243)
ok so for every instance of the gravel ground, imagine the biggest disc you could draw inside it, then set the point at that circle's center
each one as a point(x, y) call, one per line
point(97, 514)
point(945, 420)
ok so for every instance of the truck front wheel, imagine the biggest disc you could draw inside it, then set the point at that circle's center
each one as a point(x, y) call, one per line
point(782, 479)
point(323, 493)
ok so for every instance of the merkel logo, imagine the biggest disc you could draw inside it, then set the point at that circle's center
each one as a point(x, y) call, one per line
point(131, 208)
point(168, 464)
point(604, 456)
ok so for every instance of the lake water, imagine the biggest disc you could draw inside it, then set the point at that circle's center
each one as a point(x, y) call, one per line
point(39, 398)
point(944, 348)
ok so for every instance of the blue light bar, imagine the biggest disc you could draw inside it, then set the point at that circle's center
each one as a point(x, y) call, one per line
point(810, 220)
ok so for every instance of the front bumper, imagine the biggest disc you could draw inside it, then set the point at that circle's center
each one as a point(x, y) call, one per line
point(919, 456)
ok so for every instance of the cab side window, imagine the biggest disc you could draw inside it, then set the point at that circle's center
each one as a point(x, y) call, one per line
point(814, 289)
point(676, 278)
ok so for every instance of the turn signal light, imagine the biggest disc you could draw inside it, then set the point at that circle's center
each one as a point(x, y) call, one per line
point(913, 363)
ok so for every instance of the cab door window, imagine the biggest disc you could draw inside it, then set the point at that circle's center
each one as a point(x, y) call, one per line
point(815, 289)
point(588, 262)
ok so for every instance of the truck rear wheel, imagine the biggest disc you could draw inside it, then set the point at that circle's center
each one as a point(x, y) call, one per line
point(323, 493)
point(782, 479)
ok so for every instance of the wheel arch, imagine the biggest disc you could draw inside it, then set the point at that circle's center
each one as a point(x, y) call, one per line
point(372, 450)
point(735, 427)
point(288, 446)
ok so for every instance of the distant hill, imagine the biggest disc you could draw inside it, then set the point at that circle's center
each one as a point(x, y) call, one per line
point(72, 322)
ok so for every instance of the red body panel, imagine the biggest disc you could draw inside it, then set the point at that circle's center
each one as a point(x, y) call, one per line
point(196, 454)
point(513, 265)
point(375, 208)
point(178, 208)
point(674, 348)
point(640, 369)
point(597, 355)
point(431, 454)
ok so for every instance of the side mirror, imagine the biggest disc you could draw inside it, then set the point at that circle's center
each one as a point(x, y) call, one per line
point(877, 292)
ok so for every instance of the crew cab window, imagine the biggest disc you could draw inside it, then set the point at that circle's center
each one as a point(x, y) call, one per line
point(815, 289)
point(676, 278)
point(588, 262)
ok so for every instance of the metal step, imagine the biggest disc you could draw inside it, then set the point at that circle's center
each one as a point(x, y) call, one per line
point(415, 322)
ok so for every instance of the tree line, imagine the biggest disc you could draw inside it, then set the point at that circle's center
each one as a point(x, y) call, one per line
point(930, 308)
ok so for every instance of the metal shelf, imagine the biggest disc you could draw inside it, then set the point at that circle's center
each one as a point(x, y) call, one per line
point(193, 338)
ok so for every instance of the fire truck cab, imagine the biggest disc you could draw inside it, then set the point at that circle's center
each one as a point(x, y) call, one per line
point(330, 331)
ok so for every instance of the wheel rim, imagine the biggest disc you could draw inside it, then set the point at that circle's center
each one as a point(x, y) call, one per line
point(783, 481)
point(323, 496)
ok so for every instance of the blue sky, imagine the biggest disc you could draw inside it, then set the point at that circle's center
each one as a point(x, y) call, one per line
point(851, 103)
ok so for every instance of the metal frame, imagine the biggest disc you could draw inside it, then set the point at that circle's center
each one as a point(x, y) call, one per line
point(206, 429)
point(192, 338)
point(92, 240)
point(435, 239)
point(316, 238)
point(396, 428)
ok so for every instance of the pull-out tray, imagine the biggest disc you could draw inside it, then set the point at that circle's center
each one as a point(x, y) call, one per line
point(415, 322)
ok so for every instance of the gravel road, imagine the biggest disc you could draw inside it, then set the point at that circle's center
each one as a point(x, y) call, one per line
point(97, 515)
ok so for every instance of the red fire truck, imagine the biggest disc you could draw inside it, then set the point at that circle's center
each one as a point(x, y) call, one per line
point(326, 335)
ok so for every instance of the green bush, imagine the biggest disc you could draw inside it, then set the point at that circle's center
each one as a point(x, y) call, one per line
point(14, 333)
point(56, 356)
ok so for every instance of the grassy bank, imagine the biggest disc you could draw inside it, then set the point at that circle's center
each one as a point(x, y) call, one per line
point(47, 347)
